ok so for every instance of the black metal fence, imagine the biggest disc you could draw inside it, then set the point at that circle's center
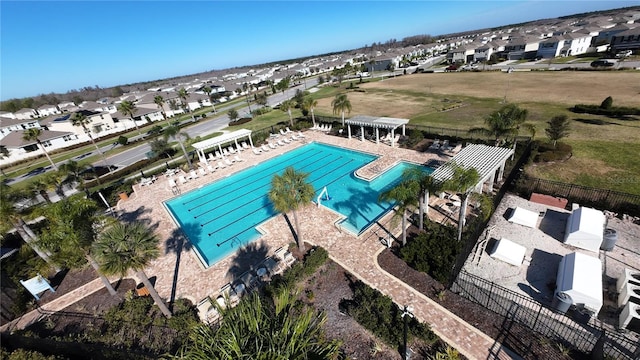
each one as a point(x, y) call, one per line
point(598, 198)
point(585, 336)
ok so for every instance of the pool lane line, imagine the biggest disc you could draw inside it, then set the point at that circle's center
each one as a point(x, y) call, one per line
point(210, 220)
point(312, 151)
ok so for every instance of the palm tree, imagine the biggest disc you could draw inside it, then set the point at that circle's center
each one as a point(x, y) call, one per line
point(341, 104)
point(10, 217)
point(34, 134)
point(159, 100)
point(289, 192)
point(70, 232)
point(404, 195)
point(182, 94)
point(246, 88)
point(426, 185)
point(207, 90)
point(39, 186)
point(263, 328)
point(74, 172)
point(129, 109)
point(80, 119)
point(286, 106)
point(310, 104)
point(131, 246)
point(174, 133)
point(503, 123)
point(462, 182)
point(232, 114)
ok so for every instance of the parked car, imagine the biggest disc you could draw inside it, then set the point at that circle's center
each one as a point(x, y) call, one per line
point(624, 54)
point(452, 67)
point(599, 63)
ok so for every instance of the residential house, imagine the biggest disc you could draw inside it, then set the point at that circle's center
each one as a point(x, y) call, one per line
point(46, 110)
point(484, 52)
point(524, 47)
point(8, 125)
point(463, 54)
point(626, 40)
point(605, 35)
point(100, 124)
point(26, 114)
point(51, 140)
point(7, 115)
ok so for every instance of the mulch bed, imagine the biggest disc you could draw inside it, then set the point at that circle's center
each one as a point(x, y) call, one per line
point(518, 338)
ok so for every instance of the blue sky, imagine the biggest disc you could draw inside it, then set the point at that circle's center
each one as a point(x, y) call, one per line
point(53, 46)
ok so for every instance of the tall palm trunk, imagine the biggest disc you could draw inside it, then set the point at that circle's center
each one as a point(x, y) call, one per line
point(104, 160)
point(104, 279)
point(300, 240)
point(154, 294)
point(30, 237)
point(184, 151)
point(462, 215)
point(342, 117)
point(404, 227)
point(313, 119)
point(290, 117)
point(47, 155)
point(421, 212)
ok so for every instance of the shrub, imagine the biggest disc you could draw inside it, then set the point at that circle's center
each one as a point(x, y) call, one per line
point(123, 140)
point(263, 110)
point(433, 251)
point(546, 152)
point(380, 315)
point(239, 121)
point(607, 103)
point(315, 258)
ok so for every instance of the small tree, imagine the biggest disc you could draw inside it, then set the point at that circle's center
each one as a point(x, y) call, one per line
point(233, 115)
point(558, 128)
point(286, 107)
point(607, 103)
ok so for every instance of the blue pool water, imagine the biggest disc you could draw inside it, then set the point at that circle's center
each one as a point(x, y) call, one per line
point(222, 216)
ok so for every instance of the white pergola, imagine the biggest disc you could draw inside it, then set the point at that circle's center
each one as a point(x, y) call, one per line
point(377, 123)
point(489, 161)
point(217, 141)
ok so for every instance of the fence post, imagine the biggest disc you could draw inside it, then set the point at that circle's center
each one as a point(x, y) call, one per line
point(535, 322)
point(489, 297)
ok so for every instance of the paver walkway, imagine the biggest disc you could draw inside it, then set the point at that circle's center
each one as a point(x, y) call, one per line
point(181, 275)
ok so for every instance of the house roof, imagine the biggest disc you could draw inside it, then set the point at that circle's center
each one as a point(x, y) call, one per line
point(14, 139)
point(25, 110)
point(5, 122)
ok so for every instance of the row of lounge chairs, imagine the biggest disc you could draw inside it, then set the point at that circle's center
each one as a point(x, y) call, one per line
point(445, 147)
point(322, 127)
point(231, 293)
point(273, 144)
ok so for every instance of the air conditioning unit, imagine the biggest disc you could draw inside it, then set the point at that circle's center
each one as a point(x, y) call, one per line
point(629, 276)
point(630, 317)
point(629, 293)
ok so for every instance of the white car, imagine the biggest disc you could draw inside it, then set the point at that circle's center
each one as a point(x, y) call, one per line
point(623, 54)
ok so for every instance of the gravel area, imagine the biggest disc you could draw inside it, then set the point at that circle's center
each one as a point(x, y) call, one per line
point(544, 249)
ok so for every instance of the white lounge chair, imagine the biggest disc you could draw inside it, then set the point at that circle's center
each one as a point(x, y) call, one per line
point(288, 130)
point(228, 162)
point(435, 145)
point(300, 134)
point(221, 165)
point(193, 174)
point(211, 157)
point(238, 148)
point(257, 151)
point(207, 312)
point(244, 145)
point(282, 132)
point(287, 141)
point(329, 128)
point(172, 183)
point(218, 155)
point(231, 150)
point(182, 179)
point(202, 171)
point(211, 168)
point(271, 145)
point(264, 148)
point(237, 159)
point(225, 152)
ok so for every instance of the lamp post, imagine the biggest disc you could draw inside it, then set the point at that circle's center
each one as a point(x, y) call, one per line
point(406, 313)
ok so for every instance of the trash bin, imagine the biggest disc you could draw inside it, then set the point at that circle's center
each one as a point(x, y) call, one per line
point(609, 239)
point(562, 302)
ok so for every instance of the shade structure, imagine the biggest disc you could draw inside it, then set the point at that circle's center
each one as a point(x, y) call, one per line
point(580, 277)
point(509, 252)
point(524, 217)
point(585, 229)
point(218, 141)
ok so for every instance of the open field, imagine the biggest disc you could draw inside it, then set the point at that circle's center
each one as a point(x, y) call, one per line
point(604, 149)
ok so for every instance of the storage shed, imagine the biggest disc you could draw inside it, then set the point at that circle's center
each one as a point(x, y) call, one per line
point(524, 217)
point(508, 251)
point(580, 277)
point(585, 229)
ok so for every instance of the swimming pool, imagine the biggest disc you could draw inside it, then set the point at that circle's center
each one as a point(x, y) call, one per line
point(221, 217)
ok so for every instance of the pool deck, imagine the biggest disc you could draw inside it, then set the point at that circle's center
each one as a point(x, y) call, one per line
point(180, 274)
